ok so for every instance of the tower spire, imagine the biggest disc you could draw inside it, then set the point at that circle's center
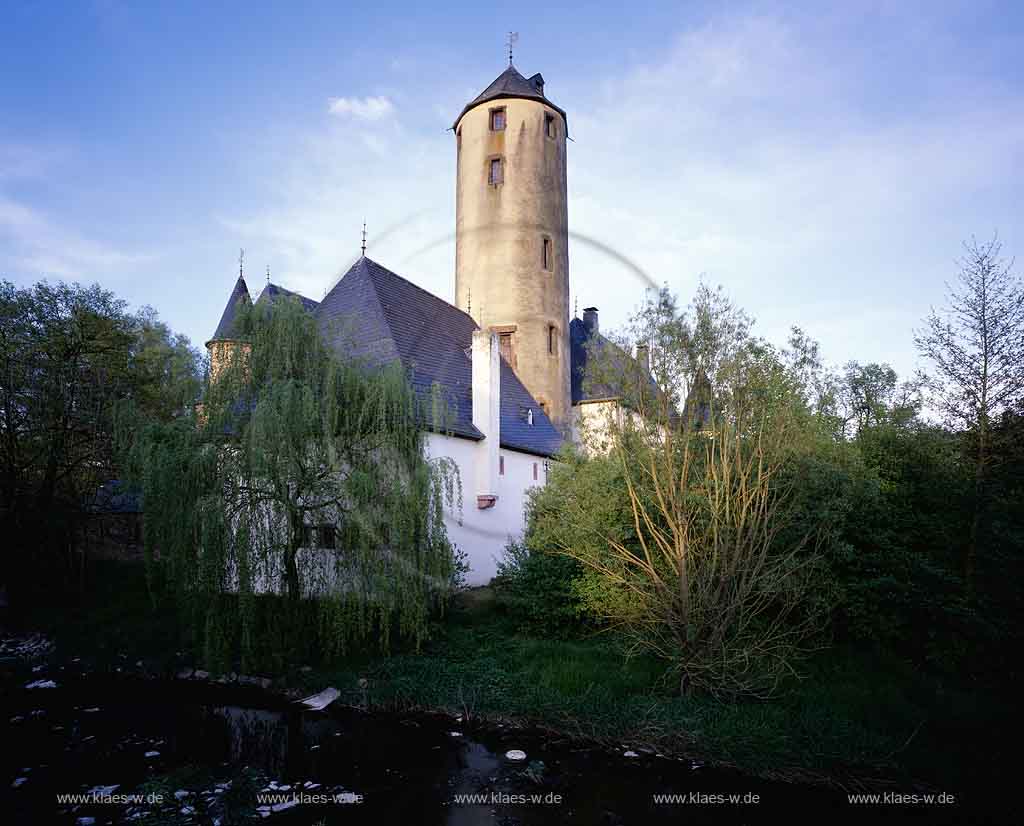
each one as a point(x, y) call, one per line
point(513, 38)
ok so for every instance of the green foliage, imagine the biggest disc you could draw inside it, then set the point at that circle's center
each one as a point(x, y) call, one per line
point(292, 441)
point(539, 590)
point(69, 355)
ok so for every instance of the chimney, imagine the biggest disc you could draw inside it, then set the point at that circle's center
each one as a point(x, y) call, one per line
point(590, 320)
point(486, 360)
point(643, 355)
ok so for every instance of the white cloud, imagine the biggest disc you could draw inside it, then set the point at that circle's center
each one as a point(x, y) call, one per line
point(368, 108)
point(757, 151)
point(41, 247)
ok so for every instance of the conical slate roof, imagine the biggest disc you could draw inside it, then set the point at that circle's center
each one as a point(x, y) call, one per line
point(511, 84)
point(226, 328)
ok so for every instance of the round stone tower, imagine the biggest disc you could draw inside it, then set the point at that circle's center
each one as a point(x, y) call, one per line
point(511, 231)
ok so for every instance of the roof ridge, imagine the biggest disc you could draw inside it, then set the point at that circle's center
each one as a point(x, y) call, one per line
point(421, 289)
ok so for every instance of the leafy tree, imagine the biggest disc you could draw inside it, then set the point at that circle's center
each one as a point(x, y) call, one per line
point(68, 355)
point(976, 347)
point(304, 475)
point(166, 368)
point(678, 522)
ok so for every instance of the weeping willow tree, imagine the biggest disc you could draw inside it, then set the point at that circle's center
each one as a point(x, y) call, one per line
point(298, 509)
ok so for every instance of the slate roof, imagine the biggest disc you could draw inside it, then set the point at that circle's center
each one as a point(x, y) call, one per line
point(511, 84)
point(115, 497)
point(376, 315)
point(240, 292)
point(275, 292)
point(621, 362)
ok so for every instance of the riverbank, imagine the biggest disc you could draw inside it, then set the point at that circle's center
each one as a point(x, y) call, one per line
point(857, 720)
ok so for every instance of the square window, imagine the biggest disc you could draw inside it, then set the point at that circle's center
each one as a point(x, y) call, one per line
point(495, 172)
point(549, 126)
point(497, 120)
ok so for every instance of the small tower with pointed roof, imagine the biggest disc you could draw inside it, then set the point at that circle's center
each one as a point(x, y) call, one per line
point(511, 247)
point(225, 344)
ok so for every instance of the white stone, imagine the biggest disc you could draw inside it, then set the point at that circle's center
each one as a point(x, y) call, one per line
point(515, 754)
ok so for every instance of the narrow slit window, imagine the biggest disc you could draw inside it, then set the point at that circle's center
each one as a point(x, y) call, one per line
point(546, 256)
point(549, 126)
point(497, 120)
point(501, 465)
point(552, 340)
point(495, 172)
point(534, 471)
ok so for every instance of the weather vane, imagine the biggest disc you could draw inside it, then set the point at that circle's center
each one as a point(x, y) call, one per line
point(513, 38)
point(364, 237)
point(268, 273)
point(241, 261)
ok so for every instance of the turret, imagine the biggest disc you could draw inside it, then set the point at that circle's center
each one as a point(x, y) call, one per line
point(225, 343)
point(511, 247)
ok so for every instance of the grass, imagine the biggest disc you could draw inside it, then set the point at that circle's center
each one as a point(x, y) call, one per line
point(858, 715)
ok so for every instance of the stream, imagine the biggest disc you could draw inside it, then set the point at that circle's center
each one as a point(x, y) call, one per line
point(199, 752)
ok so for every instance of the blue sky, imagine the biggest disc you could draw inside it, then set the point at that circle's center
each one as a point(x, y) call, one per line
point(820, 161)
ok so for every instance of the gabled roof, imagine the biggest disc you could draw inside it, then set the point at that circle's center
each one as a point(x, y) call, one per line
point(275, 292)
point(240, 292)
point(511, 84)
point(376, 315)
point(620, 363)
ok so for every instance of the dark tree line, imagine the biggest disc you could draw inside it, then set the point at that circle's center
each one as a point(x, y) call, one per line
point(69, 356)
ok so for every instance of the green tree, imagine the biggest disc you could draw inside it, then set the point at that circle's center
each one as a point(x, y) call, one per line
point(305, 475)
point(976, 347)
point(678, 524)
point(68, 355)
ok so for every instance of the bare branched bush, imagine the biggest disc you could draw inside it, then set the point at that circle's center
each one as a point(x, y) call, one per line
point(702, 579)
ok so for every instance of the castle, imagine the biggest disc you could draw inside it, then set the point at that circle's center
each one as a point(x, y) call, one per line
point(507, 356)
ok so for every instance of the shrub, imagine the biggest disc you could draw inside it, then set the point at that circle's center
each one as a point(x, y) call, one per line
point(538, 590)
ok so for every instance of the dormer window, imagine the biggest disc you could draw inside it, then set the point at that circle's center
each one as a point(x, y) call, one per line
point(495, 171)
point(498, 119)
